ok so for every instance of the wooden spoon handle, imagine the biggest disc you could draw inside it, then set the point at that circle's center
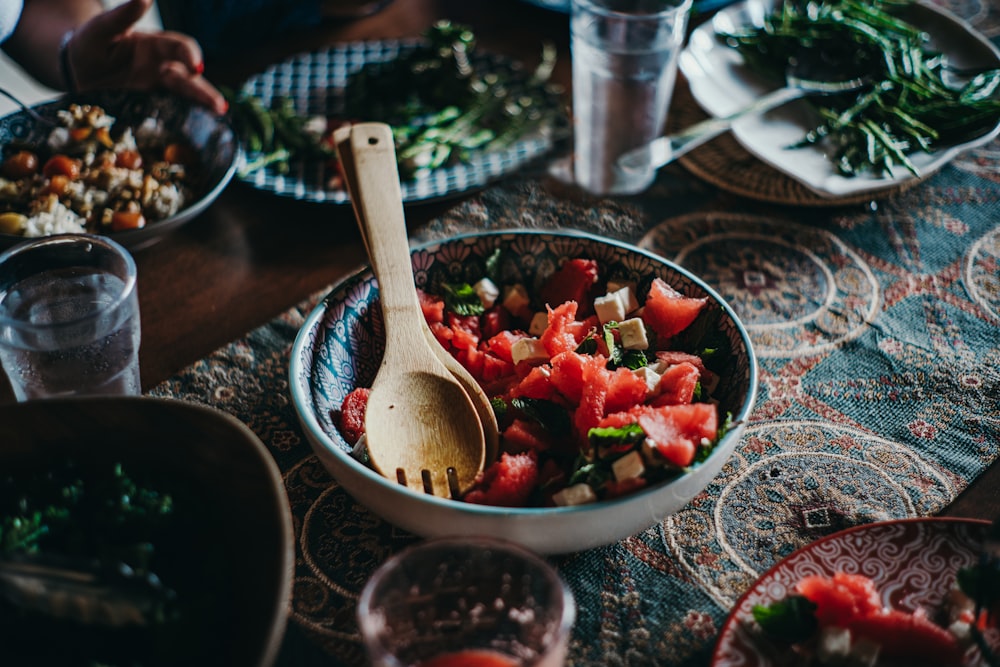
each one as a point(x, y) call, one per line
point(370, 156)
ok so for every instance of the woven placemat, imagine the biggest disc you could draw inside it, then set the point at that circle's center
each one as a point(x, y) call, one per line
point(724, 163)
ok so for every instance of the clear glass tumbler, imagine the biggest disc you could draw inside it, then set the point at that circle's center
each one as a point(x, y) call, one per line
point(466, 602)
point(69, 318)
point(624, 68)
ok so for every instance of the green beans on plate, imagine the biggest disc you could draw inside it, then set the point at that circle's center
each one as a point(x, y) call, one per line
point(444, 100)
point(914, 99)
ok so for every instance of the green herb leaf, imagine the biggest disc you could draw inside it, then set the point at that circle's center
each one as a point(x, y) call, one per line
point(790, 620)
point(461, 299)
point(611, 441)
point(552, 416)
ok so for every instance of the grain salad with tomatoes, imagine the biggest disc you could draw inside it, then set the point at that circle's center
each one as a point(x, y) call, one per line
point(598, 392)
point(90, 176)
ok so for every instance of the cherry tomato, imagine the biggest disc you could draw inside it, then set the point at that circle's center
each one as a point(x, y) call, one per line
point(128, 159)
point(80, 133)
point(61, 164)
point(20, 165)
point(122, 220)
point(179, 154)
point(58, 184)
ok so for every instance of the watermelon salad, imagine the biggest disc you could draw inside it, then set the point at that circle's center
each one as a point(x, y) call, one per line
point(840, 620)
point(597, 393)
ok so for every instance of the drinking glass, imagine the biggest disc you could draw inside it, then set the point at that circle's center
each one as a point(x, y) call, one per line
point(624, 66)
point(466, 602)
point(69, 317)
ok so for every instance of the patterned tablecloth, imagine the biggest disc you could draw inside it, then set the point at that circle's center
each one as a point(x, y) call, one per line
point(877, 327)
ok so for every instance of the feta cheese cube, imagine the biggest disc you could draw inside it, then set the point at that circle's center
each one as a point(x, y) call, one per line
point(629, 466)
point(530, 350)
point(659, 365)
point(615, 284)
point(650, 454)
point(632, 334)
point(651, 378)
point(516, 300)
point(609, 308)
point(865, 652)
point(578, 494)
point(625, 292)
point(487, 291)
point(539, 323)
point(834, 642)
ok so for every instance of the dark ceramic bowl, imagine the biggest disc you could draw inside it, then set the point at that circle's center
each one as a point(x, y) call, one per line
point(228, 552)
point(210, 135)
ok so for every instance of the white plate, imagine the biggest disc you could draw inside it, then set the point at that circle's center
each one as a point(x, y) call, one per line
point(722, 84)
point(315, 83)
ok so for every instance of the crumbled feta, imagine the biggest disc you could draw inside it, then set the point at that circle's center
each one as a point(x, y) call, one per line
point(629, 466)
point(632, 334)
point(163, 200)
point(487, 291)
point(578, 494)
point(530, 350)
point(516, 300)
point(539, 323)
point(56, 219)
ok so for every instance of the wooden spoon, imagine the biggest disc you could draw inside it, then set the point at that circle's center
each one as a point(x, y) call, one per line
point(421, 426)
point(491, 430)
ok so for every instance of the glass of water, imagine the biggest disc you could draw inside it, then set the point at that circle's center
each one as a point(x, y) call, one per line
point(69, 318)
point(624, 66)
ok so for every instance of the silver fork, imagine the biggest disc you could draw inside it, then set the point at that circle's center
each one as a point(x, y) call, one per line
point(108, 595)
point(27, 109)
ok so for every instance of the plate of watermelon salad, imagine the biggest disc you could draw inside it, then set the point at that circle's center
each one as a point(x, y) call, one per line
point(908, 592)
point(620, 381)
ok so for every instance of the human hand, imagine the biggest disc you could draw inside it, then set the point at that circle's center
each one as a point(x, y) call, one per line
point(107, 52)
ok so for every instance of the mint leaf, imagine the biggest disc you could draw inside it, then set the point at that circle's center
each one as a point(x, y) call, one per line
point(790, 620)
point(461, 299)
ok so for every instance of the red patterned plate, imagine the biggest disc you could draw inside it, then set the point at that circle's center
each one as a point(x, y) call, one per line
point(913, 563)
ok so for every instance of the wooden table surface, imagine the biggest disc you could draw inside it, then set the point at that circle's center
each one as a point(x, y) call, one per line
point(253, 255)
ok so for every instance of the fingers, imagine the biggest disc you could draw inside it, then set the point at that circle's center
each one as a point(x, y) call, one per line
point(175, 46)
point(117, 21)
point(177, 79)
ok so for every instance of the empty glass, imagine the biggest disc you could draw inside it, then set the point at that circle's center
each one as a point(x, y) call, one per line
point(469, 602)
point(624, 68)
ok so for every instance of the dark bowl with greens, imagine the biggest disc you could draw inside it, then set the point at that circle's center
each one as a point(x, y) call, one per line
point(161, 529)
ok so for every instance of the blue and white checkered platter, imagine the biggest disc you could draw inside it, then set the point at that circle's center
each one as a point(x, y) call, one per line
point(315, 82)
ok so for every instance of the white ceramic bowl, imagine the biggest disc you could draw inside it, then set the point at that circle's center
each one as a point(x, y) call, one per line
point(340, 346)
